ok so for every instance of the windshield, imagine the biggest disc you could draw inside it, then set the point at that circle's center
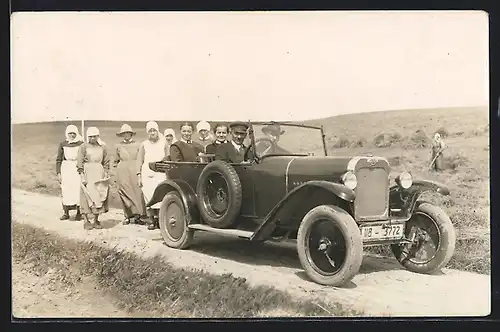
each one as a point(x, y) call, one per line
point(286, 139)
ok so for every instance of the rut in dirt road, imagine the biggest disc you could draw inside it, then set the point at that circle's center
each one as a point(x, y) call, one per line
point(382, 287)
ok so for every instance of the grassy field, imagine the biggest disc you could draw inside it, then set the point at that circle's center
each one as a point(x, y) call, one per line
point(153, 286)
point(401, 136)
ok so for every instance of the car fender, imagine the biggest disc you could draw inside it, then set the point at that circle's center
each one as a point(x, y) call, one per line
point(406, 199)
point(186, 193)
point(268, 224)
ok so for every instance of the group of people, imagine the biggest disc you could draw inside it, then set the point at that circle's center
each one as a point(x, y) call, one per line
point(83, 166)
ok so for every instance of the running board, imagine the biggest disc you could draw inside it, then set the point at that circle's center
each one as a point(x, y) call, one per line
point(222, 231)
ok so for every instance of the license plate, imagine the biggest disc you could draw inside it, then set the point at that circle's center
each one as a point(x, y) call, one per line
point(382, 232)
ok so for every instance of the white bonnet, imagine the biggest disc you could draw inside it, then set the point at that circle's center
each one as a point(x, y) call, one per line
point(152, 125)
point(203, 125)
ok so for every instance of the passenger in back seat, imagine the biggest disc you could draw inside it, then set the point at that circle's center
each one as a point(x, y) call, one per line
point(185, 149)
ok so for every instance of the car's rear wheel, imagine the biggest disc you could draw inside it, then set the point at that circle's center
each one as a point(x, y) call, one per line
point(219, 194)
point(329, 245)
point(173, 224)
point(433, 237)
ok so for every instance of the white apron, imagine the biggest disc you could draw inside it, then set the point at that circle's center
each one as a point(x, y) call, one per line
point(70, 179)
point(150, 179)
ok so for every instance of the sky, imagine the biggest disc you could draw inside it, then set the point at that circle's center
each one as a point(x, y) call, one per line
point(243, 65)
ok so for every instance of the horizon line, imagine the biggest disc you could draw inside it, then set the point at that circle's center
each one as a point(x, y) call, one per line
point(260, 120)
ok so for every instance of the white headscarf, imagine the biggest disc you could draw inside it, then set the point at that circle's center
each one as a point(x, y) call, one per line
point(438, 141)
point(153, 125)
point(73, 129)
point(170, 131)
point(203, 125)
point(93, 131)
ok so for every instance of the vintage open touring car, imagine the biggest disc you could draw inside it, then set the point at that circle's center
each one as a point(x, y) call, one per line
point(291, 189)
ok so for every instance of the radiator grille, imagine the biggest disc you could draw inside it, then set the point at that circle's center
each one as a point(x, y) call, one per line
point(372, 193)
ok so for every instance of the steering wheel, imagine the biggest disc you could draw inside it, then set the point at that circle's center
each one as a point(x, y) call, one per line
point(263, 145)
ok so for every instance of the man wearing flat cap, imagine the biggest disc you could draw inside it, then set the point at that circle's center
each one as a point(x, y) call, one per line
point(235, 151)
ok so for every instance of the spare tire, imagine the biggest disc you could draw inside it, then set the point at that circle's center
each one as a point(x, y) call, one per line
point(219, 194)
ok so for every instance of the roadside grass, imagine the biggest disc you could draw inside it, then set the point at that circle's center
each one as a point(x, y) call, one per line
point(400, 136)
point(152, 285)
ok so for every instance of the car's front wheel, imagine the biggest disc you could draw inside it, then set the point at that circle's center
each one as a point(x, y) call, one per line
point(173, 224)
point(433, 240)
point(329, 245)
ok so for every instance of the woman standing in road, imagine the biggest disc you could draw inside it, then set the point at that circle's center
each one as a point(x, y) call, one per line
point(220, 131)
point(126, 165)
point(151, 150)
point(67, 173)
point(93, 166)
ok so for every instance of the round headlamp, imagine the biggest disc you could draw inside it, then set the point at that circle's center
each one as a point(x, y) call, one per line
point(349, 180)
point(404, 180)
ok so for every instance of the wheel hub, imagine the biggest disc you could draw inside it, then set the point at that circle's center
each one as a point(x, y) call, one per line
point(324, 244)
point(221, 195)
point(418, 248)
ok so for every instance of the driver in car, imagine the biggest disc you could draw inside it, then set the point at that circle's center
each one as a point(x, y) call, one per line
point(235, 151)
point(273, 133)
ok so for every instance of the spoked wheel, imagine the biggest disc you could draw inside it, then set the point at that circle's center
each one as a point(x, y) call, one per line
point(433, 240)
point(173, 224)
point(329, 245)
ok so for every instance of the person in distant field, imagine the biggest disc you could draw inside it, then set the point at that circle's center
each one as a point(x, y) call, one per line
point(221, 131)
point(128, 189)
point(438, 146)
point(152, 149)
point(93, 162)
point(274, 132)
point(185, 149)
point(67, 173)
point(204, 136)
point(169, 134)
point(235, 151)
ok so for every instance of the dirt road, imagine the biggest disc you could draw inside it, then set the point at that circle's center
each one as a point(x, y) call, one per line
point(40, 297)
point(380, 288)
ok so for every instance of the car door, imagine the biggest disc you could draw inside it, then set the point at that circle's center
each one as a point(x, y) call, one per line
point(245, 174)
point(269, 178)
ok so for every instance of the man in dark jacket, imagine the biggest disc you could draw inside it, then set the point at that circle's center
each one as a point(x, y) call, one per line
point(185, 149)
point(235, 151)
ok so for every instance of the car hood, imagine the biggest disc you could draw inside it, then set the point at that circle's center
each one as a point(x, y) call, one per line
point(330, 168)
point(318, 166)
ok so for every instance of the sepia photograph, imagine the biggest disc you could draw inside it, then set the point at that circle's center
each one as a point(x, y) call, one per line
point(250, 164)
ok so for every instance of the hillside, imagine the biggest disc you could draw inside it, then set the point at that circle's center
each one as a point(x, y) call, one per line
point(404, 122)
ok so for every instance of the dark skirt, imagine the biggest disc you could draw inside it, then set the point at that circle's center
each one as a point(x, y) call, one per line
point(439, 162)
point(129, 191)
